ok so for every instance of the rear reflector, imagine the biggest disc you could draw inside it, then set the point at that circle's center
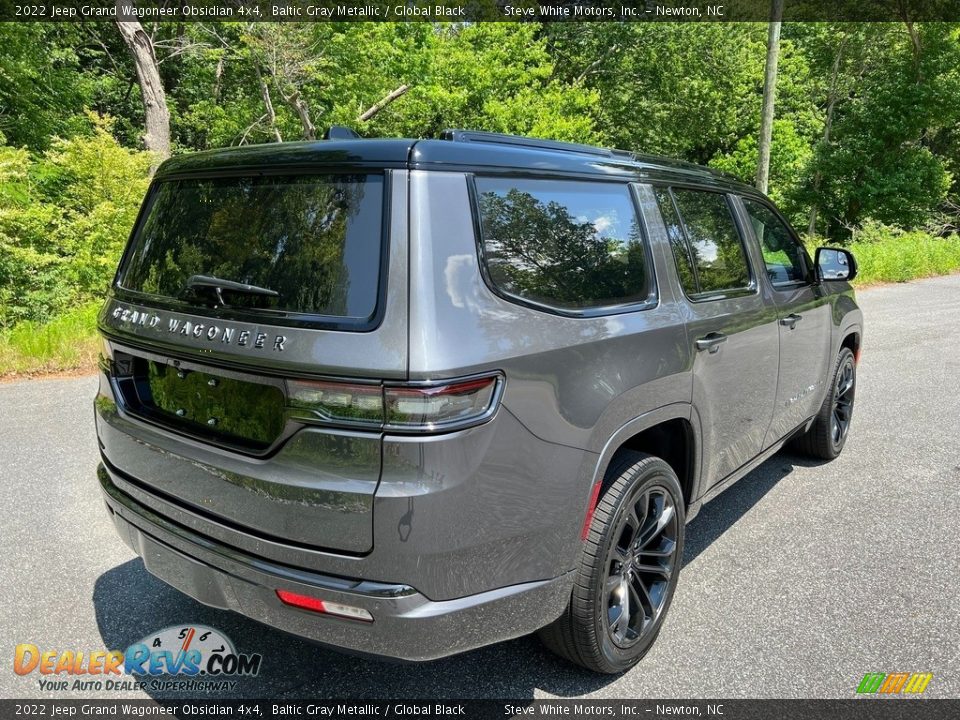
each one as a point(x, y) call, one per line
point(305, 602)
point(591, 509)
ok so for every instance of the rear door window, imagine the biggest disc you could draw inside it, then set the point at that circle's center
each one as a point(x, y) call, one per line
point(678, 241)
point(310, 245)
point(563, 244)
point(715, 254)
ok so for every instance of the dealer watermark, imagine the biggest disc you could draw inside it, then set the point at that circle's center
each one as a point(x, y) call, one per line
point(179, 658)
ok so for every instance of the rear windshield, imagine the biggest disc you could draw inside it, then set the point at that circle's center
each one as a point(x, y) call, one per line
point(307, 244)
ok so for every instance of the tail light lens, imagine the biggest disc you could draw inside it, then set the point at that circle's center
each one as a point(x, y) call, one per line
point(362, 404)
point(402, 407)
point(438, 406)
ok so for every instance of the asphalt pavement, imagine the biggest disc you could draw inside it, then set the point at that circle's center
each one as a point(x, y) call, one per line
point(797, 581)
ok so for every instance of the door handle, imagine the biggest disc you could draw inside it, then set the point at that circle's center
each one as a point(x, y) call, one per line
point(791, 320)
point(711, 341)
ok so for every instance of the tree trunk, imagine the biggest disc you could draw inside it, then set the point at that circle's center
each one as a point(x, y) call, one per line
point(157, 135)
point(818, 176)
point(827, 125)
point(769, 95)
point(300, 107)
point(268, 104)
point(381, 104)
point(303, 112)
point(914, 39)
point(218, 76)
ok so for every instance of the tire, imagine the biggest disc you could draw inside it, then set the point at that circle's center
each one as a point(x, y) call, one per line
point(828, 434)
point(592, 632)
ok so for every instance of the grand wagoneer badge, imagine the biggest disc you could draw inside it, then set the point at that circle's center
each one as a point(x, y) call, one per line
point(211, 332)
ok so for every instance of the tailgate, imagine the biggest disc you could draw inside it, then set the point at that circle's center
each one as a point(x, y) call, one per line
point(254, 469)
point(230, 290)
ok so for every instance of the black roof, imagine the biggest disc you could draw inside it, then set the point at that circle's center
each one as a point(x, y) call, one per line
point(345, 153)
point(456, 150)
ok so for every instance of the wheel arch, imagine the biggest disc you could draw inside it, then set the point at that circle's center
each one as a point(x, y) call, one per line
point(851, 338)
point(670, 433)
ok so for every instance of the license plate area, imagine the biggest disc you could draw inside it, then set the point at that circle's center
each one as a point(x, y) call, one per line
point(222, 407)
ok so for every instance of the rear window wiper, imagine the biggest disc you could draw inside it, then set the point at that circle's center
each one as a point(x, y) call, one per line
point(218, 285)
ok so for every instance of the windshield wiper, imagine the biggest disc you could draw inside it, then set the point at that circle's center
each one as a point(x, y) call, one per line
point(218, 285)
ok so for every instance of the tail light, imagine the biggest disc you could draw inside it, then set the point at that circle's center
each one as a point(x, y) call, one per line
point(331, 401)
point(437, 406)
point(409, 407)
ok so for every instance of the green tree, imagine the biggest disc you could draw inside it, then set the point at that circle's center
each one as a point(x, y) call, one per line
point(41, 90)
point(64, 218)
point(899, 99)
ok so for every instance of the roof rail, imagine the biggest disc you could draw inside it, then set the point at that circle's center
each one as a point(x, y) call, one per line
point(503, 139)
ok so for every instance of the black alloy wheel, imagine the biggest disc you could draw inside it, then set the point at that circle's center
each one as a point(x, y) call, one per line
point(843, 394)
point(629, 566)
point(640, 564)
point(831, 426)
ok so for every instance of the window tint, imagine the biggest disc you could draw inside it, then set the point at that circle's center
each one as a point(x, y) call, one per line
point(678, 242)
point(565, 244)
point(718, 253)
point(782, 253)
point(314, 240)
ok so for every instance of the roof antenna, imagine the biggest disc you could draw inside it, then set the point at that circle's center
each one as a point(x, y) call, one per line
point(340, 132)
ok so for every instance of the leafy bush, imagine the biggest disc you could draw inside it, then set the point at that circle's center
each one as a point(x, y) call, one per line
point(886, 253)
point(64, 217)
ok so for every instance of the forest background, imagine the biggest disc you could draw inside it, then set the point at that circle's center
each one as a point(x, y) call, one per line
point(864, 143)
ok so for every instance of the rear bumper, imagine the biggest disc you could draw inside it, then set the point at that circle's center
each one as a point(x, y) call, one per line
point(453, 515)
point(407, 625)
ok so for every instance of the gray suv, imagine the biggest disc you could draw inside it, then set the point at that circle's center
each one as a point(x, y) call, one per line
point(412, 397)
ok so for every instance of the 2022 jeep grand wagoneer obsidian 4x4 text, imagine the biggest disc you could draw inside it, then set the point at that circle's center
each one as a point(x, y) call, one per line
point(410, 397)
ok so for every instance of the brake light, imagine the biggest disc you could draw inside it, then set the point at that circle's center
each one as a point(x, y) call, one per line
point(305, 602)
point(422, 407)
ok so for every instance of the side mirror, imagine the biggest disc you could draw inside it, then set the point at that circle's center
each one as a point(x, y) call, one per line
point(835, 264)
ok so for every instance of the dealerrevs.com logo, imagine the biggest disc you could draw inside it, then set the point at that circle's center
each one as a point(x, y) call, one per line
point(192, 657)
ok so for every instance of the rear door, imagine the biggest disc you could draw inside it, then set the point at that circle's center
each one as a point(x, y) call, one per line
point(803, 313)
point(732, 328)
point(238, 295)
